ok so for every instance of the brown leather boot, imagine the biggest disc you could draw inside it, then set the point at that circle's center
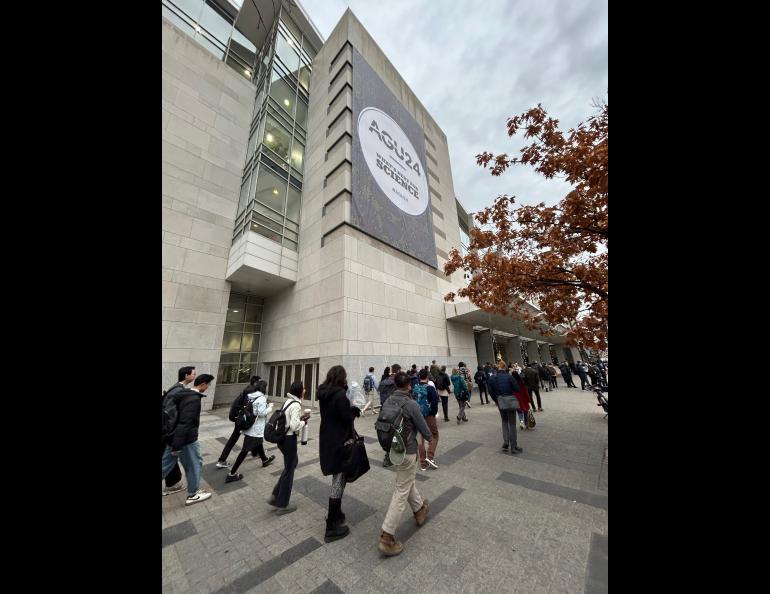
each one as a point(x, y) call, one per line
point(389, 546)
point(422, 513)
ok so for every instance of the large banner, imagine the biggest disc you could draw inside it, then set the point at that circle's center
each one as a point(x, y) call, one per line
point(390, 200)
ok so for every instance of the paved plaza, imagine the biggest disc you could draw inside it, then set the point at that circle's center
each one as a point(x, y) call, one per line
point(535, 522)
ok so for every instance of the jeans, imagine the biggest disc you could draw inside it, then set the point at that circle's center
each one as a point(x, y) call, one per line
point(230, 444)
point(431, 422)
point(483, 392)
point(583, 381)
point(250, 444)
point(173, 477)
point(282, 489)
point(509, 428)
point(192, 461)
point(405, 492)
point(461, 403)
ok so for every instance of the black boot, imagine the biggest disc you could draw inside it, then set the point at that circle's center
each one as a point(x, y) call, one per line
point(335, 529)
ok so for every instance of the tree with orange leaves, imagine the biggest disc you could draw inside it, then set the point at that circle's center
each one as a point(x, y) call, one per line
point(556, 256)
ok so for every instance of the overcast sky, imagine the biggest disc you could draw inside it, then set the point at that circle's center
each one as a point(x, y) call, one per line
point(473, 64)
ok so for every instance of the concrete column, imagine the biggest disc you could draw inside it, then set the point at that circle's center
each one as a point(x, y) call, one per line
point(484, 350)
point(573, 354)
point(514, 350)
point(533, 352)
point(545, 354)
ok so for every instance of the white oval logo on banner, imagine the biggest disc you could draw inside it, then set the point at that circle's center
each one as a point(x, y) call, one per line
point(393, 161)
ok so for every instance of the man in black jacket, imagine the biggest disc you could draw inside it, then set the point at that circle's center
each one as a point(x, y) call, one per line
point(481, 382)
point(183, 443)
point(532, 379)
point(173, 479)
point(444, 389)
point(503, 384)
point(566, 373)
point(236, 434)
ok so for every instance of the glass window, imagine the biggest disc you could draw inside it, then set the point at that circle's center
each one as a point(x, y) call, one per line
point(283, 93)
point(243, 199)
point(297, 155)
point(301, 113)
point(235, 312)
point(288, 243)
point(213, 46)
point(253, 313)
point(253, 328)
point(304, 76)
point(248, 358)
point(179, 21)
point(277, 138)
point(231, 342)
point(216, 22)
point(245, 372)
point(228, 374)
point(243, 48)
point(265, 222)
point(239, 66)
point(250, 343)
point(191, 7)
point(229, 358)
point(266, 232)
point(308, 380)
point(292, 205)
point(271, 189)
point(279, 382)
point(263, 210)
point(291, 27)
point(286, 52)
point(271, 381)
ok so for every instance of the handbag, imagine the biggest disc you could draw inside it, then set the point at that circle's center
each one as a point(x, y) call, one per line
point(507, 403)
point(355, 461)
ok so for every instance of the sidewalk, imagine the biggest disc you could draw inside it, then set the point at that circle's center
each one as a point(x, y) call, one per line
point(536, 522)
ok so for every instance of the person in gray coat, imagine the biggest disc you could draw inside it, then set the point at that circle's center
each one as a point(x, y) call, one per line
point(405, 490)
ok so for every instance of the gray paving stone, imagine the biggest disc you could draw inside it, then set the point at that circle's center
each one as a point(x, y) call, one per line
point(178, 532)
point(318, 491)
point(600, 501)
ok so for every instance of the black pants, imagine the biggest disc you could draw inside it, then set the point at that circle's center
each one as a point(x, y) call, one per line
point(445, 406)
point(583, 382)
point(233, 439)
point(173, 477)
point(570, 383)
point(531, 400)
point(250, 444)
point(553, 383)
point(282, 489)
point(483, 392)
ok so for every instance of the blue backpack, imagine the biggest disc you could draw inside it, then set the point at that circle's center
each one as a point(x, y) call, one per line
point(420, 392)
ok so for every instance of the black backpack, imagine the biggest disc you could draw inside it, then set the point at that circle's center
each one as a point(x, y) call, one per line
point(368, 384)
point(170, 413)
point(237, 404)
point(245, 417)
point(389, 422)
point(275, 428)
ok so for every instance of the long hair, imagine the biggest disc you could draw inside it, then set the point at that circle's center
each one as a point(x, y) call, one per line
point(385, 373)
point(336, 376)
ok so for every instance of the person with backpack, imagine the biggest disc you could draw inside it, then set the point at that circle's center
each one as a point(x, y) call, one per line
point(257, 411)
point(566, 373)
point(401, 412)
point(524, 399)
point(173, 479)
point(369, 385)
point(283, 427)
point(387, 385)
point(505, 385)
point(544, 375)
point(444, 389)
point(460, 389)
point(466, 373)
point(481, 381)
point(532, 379)
point(427, 399)
point(337, 417)
point(434, 369)
point(184, 445)
point(236, 405)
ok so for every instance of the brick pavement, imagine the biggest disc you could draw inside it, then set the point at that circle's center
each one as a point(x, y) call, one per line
point(536, 522)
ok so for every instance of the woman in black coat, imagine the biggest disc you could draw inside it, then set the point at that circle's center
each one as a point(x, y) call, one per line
point(337, 416)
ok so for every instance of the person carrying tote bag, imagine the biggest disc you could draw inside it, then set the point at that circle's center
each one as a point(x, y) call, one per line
point(504, 387)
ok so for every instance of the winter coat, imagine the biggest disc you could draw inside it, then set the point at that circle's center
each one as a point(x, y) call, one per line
point(565, 372)
point(188, 404)
point(263, 410)
point(545, 374)
point(481, 378)
point(443, 382)
point(337, 418)
point(503, 384)
point(387, 386)
point(531, 378)
point(523, 397)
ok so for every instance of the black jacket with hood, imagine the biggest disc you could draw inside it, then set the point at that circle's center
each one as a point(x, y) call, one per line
point(337, 416)
point(387, 387)
point(188, 404)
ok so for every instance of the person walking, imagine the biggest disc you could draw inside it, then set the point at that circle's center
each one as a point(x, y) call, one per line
point(184, 445)
point(544, 375)
point(427, 399)
point(370, 386)
point(466, 373)
point(460, 389)
point(295, 421)
point(503, 384)
point(387, 385)
point(532, 379)
point(582, 371)
point(566, 373)
point(253, 436)
point(173, 480)
point(554, 372)
point(481, 381)
point(337, 417)
point(444, 389)
point(434, 369)
point(594, 374)
point(405, 490)
point(238, 402)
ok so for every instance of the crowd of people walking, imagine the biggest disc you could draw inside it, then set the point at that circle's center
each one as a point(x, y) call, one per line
point(406, 425)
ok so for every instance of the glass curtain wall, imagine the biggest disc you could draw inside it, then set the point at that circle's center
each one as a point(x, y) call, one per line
point(271, 191)
point(240, 342)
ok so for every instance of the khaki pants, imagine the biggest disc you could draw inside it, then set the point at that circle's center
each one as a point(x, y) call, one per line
point(405, 492)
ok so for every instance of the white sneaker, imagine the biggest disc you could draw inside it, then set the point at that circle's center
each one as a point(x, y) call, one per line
point(199, 496)
point(173, 489)
point(431, 462)
point(223, 464)
point(521, 425)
